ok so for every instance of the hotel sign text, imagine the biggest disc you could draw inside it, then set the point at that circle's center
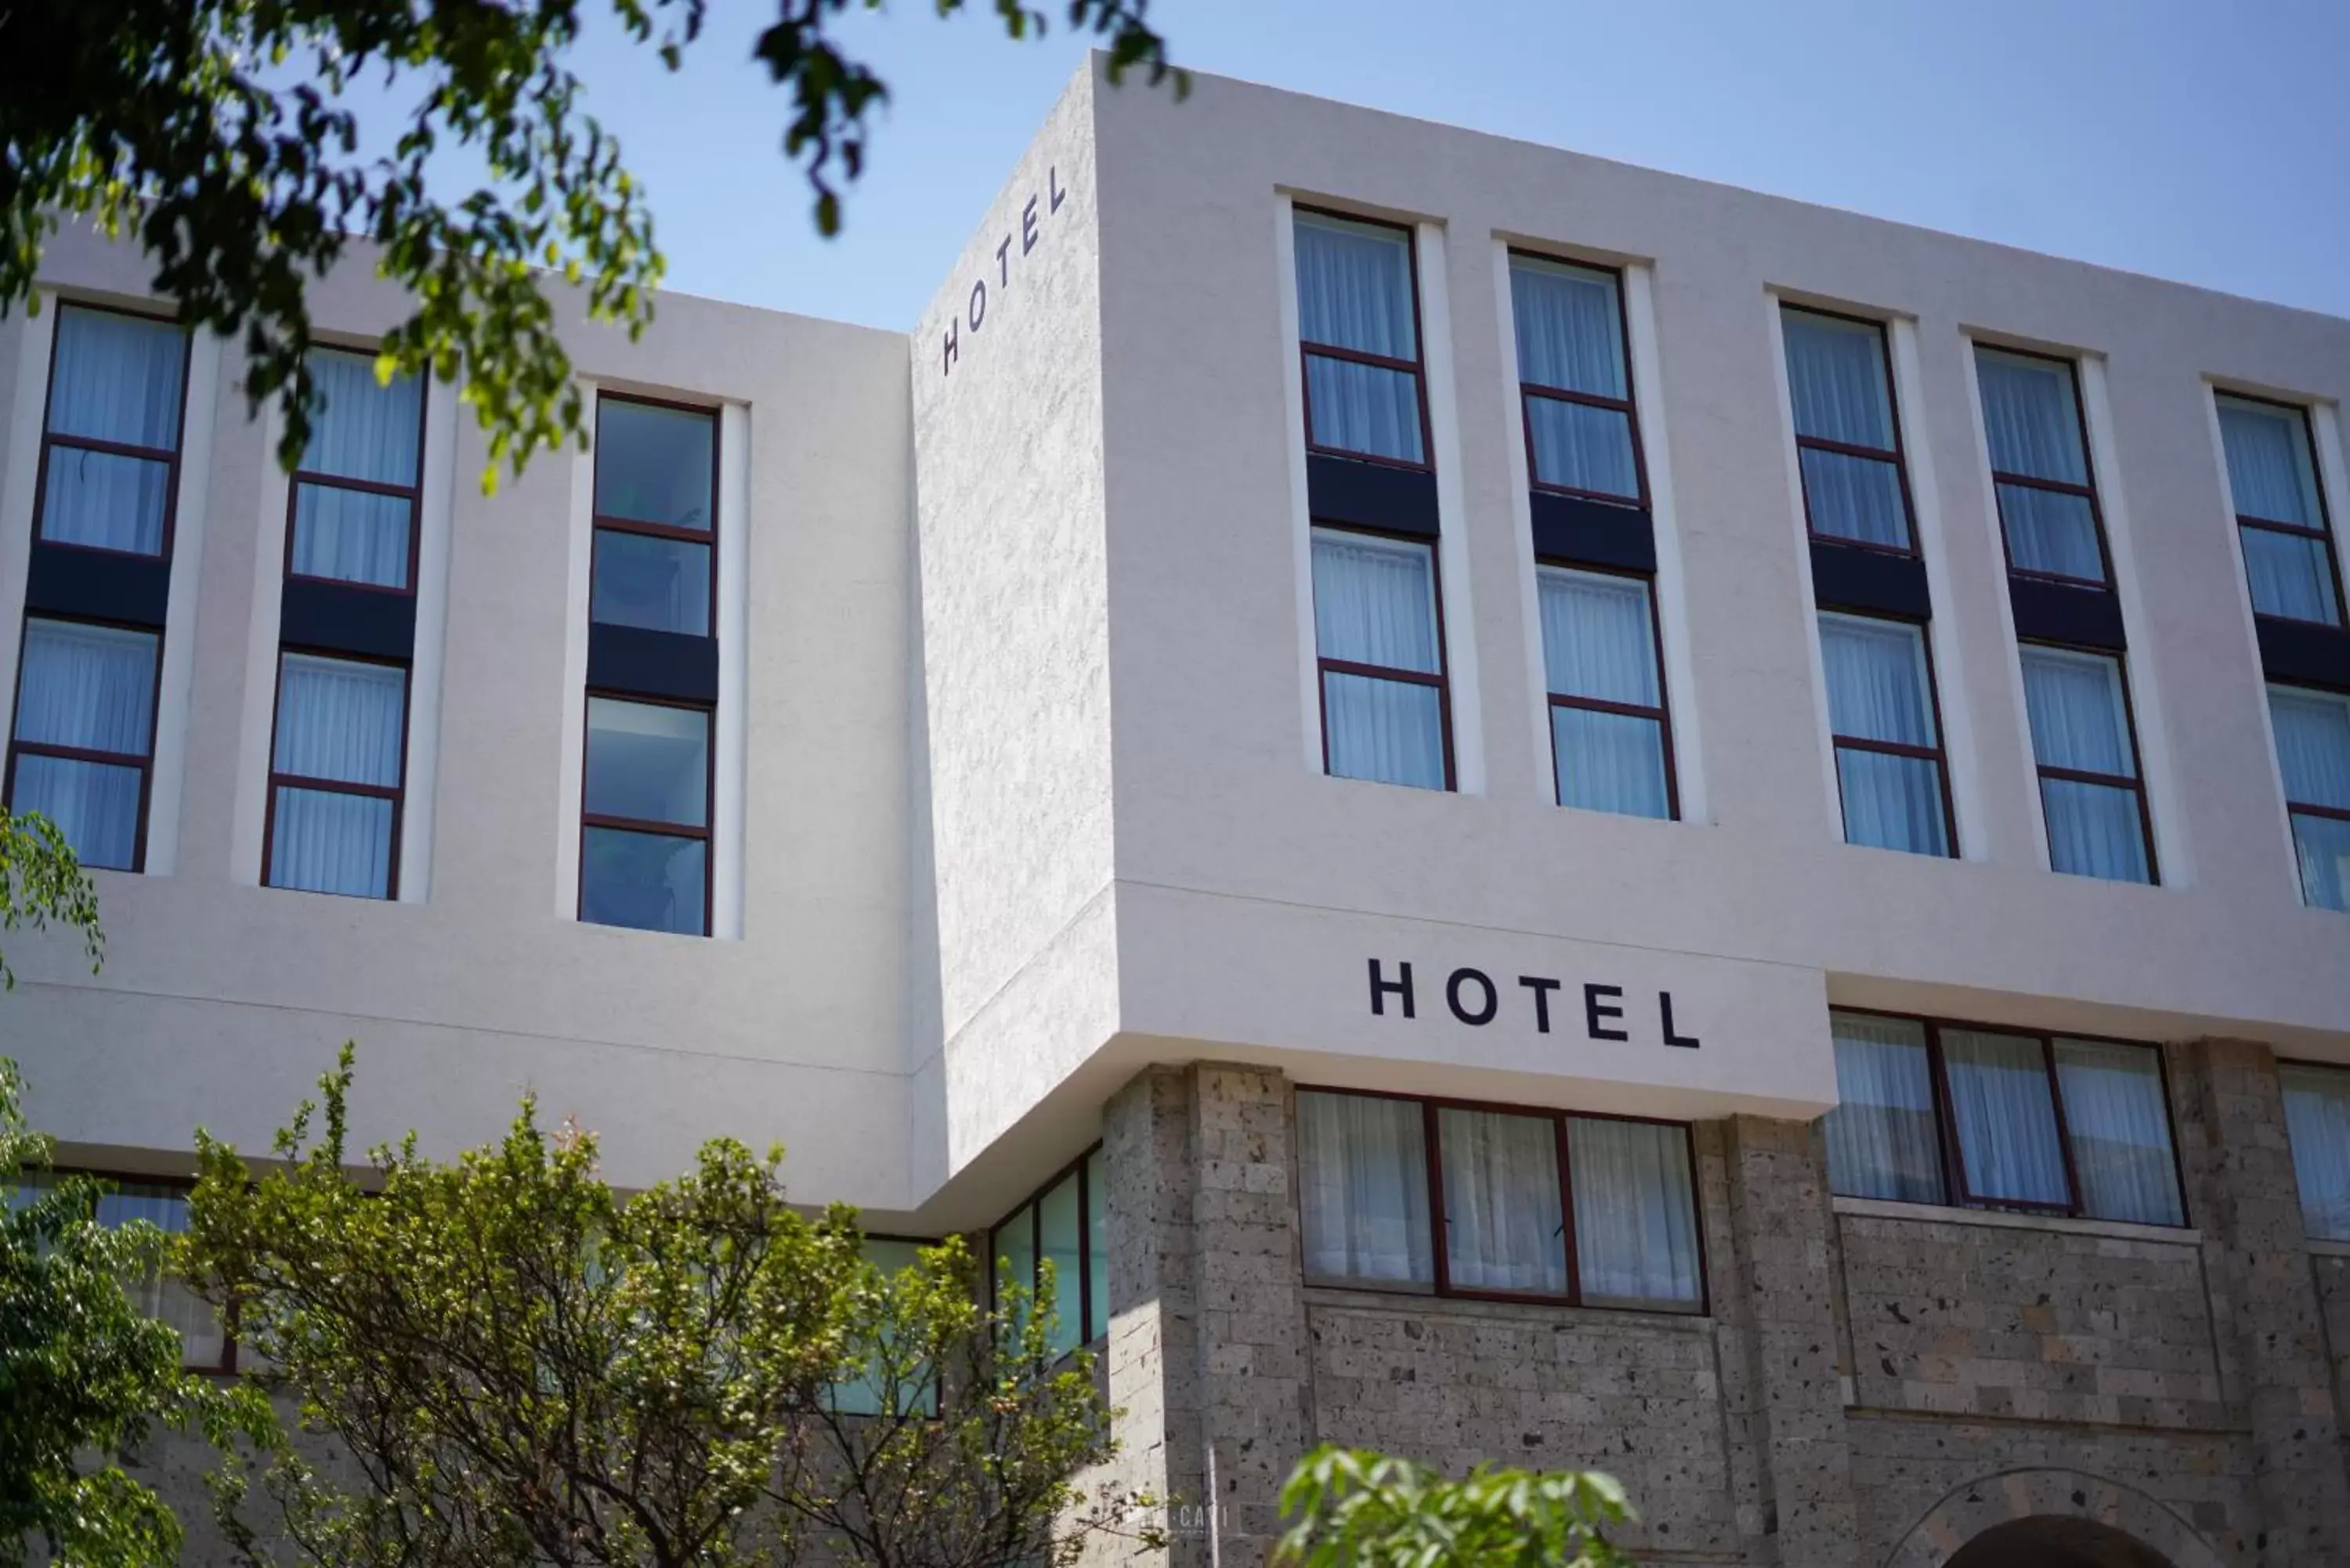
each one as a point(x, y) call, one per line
point(975, 311)
point(1473, 996)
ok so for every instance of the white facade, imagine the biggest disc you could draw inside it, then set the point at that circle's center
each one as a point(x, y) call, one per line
point(1017, 781)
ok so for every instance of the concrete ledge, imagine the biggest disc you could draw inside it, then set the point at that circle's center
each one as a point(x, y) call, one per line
point(1425, 1305)
point(2325, 1247)
point(2001, 1218)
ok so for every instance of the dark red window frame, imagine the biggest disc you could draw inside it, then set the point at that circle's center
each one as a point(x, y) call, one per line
point(2323, 533)
point(1895, 455)
point(705, 833)
point(706, 537)
point(1415, 366)
point(2029, 482)
point(1627, 405)
point(170, 457)
point(1030, 1208)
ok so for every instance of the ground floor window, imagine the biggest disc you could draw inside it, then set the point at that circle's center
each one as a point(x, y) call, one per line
point(1062, 1224)
point(1598, 1210)
point(2317, 1120)
point(205, 1344)
point(1944, 1113)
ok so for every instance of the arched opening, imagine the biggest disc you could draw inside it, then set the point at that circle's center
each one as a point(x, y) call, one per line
point(2048, 1540)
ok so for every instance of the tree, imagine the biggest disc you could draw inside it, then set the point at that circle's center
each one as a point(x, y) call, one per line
point(1357, 1509)
point(217, 132)
point(517, 1366)
point(41, 881)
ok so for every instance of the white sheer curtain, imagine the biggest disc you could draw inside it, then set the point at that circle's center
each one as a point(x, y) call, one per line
point(2080, 721)
point(1599, 642)
point(341, 722)
point(1570, 327)
point(1375, 604)
point(2032, 424)
point(2005, 1117)
point(1837, 390)
point(1635, 1215)
point(117, 378)
point(2289, 575)
point(1353, 291)
point(90, 688)
point(1362, 1165)
point(2270, 474)
point(2120, 1131)
point(2317, 1120)
point(1876, 682)
point(1881, 1136)
point(2313, 741)
point(360, 430)
point(1504, 1224)
point(1582, 448)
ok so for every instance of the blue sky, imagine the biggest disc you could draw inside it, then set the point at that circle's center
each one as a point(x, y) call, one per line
point(2199, 139)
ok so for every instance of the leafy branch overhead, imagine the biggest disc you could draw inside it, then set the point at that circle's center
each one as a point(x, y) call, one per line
point(217, 134)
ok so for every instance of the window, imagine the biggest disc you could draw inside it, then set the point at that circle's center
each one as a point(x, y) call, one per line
point(1358, 330)
point(1840, 392)
point(1063, 1225)
point(205, 1344)
point(1378, 635)
point(2086, 747)
point(84, 740)
point(644, 859)
point(2317, 1120)
point(1936, 1113)
point(1609, 735)
point(354, 498)
point(869, 1394)
point(2313, 742)
point(335, 775)
point(1593, 1210)
point(1582, 433)
point(1891, 777)
point(2289, 559)
point(655, 475)
point(2039, 467)
point(111, 450)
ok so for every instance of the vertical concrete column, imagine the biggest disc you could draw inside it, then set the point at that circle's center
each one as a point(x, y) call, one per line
point(1784, 1275)
point(2242, 1194)
point(1208, 1337)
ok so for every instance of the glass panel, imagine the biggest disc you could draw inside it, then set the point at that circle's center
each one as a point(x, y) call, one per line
point(2269, 470)
point(105, 501)
point(1096, 1247)
point(2032, 422)
point(1855, 498)
point(361, 427)
point(2094, 830)
point(88, 687)
point(1881, 1136)
point(2078, 717)
point(1353, 287)
point(1835, 379)
point(865, 1396)
point(1609, 762)
point(117, 377)
point(1365, 409)
point(2322, 845)
point(94, 804)
point(1582, 448)
point(1635, 1217)
point(1387, 732)
point(1362, 1176)
point(1059, 1226)
point(341, 720)
point(1570, 328)
point(647, 763)
point(1876, 679)
point(1375, 601)
point(351, 536)
point(1891, 802)
point(1598, 639)
point(2120, 1131)
point(2005, 1117)
point(1013, 1249)
point(644, 880)
point(654, 464)
point(1505, 1227)
point(325, 841)
point(2051, 531)
point(2289, 575)
point(2317, 1120)
point(2313, 742)
point(203, 1342)
point(661, 584)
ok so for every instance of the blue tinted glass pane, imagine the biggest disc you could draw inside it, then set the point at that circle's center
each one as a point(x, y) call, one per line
point(351, 536)
point(1390, 732)
point(340, 719)
point(2120, 1131)
point(1892, 803)
point(94, 804)
point(648, 762)
point(2005, 1117)
point(363, 429)
point(2317, 1121)
point(1876, 681)
point(1365, 409)
point(1835, 379)
point(325, 841)
point(1609, 762)
point(89, 687)
point(2290, 574)
point(2052, 532)
point(1880, 1136)
point(644, 881)
point(105, 501)
point(1855, 498)
point(117, 377)
point(2269, 471)
point(2078, 717)
point(653, 464)
point(2313, 742)
point(1582, 448)
point(2031, 420)
point(1570, 331)
point(1014, 1250)
point(661, 584)
point(1353, 287)
point(1374, 601)
point(1059, 1226)
point(1598, 639)
point(2094, 830)
point(2322, 846)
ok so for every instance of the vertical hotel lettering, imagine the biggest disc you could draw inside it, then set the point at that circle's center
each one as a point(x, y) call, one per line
point(975, 312)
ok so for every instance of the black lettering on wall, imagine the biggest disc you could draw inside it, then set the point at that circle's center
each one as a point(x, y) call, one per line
point(978, 303)
point(1004, 263)
point(1381, 989)
point(1594, 1010)
point(954, 329)
point(1052, 183)
point(1665, 1010)
point(1028, 227)
point(1481, 1016)
point(1542, 989)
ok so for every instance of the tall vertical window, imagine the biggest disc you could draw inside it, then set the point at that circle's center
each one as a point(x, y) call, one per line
point(1997, 1119)
point(645, 823)
point(335, 775)
point(1892, 777)
point(2317, 1121)
point(354, 498)
point(1610, 739)
point(1380, 640)
point(1359, 329)
point(1582, 431)
point(1597, 1210)
point(2086, 744)
point(1840, 390)
point(83, 749)
point(2289, 555)
point(2039, 466)
point(2313, 742)
point(1062, 1225)
point(111, 451)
